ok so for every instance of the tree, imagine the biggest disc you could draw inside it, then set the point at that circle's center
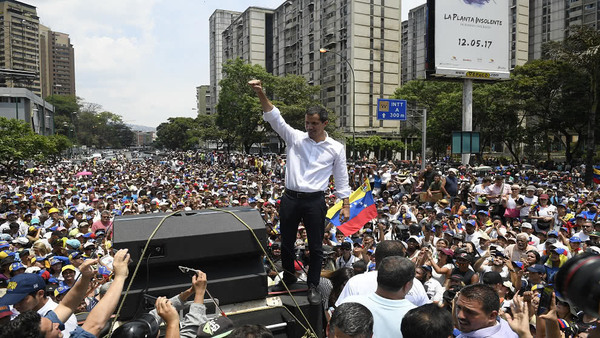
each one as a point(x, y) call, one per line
point(208, 131)
point(177, 134)
point(64, 105)
point(102, 129)
point(19, 142)
point(238, 110)
point(497, 114)
point(443, 101)
point(66, 108)
point(582, 50)
point(553, 96)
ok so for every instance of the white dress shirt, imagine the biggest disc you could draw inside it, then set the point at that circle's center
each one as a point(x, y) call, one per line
point(310, 163)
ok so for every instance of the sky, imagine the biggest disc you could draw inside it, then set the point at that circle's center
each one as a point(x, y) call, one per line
point(143, 59)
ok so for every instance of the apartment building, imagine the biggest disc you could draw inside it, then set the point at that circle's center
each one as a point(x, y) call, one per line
point(203, 100)
point(218, 22)
point(57, 63)
point(19, 45)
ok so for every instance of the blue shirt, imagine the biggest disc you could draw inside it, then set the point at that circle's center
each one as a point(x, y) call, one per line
point(77, 333)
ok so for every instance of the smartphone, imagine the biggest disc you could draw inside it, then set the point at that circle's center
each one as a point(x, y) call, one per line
point(545, 300)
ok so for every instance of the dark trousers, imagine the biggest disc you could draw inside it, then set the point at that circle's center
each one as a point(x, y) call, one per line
point(311, 211)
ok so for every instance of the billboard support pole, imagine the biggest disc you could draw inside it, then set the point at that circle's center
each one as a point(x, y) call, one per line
point(424, 142)
point(467, 117)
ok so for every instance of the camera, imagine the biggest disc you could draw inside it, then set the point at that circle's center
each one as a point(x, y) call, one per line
point(578, 283)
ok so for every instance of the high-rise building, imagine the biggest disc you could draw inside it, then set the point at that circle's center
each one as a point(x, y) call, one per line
point(414, 44)
point(546, 23)
point(19, 45)
point(250, 37)
point(583, 13)
point(218, 22)
point(203, 100)
point(361, 59)
point(57, 59)
point(552, 20)
point(519, 32)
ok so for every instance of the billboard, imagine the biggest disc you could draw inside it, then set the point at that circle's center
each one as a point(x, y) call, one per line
point(471, 38)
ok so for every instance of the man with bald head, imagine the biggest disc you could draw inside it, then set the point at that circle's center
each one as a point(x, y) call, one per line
point(515, 252)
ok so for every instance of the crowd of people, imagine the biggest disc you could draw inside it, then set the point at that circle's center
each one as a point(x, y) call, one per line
point(476, 243)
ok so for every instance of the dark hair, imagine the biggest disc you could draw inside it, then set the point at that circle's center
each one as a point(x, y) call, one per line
point(429, 320)
point(338, 280)
point(26, 325)
point(353, 319)
point(537, 255)
point(318, 110)
point(387, 249)
point(359, 265)
point(251, 331)
point(394, 272)
point(485, 294)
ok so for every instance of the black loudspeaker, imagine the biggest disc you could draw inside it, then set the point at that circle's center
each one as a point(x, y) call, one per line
point(209, 240)
point(287, 320)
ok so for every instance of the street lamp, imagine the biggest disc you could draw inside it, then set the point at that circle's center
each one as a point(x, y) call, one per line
point(323, 51)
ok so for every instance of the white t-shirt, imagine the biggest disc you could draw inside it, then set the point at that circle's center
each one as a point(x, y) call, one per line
point(441, 278)
point(529, 201)
point(70, 324)
point(480, 191)
point(387, 313)
point(434, 290)
point(366, 283)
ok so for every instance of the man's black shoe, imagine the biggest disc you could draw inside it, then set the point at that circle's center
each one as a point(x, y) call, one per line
point(279, 286)
point(313, 295)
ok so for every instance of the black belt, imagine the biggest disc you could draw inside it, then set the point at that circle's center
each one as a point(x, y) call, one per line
point(303, 195)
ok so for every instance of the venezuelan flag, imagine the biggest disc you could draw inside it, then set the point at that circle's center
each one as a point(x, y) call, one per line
point(597, 174)
point(362, 210)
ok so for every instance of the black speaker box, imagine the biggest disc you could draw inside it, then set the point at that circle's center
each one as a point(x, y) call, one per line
point(286, 320)
point(209, 240)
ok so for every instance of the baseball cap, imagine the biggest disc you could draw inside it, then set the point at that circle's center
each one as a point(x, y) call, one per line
point(16, 266)
point(526, 225)
point(74, 255)
point(538, 268)
point(346, 246)
point(491, 277)
point(463, 255)
point(427, 267)
point(415, 238)
point(68, 267)
point(575, 239)
point(216, 328)
point(20, 286)
point(61, 290)
point(75, 244)
point(448, 252)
